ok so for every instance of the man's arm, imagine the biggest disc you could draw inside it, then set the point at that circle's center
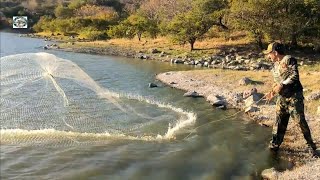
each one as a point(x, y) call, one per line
point(292, 70)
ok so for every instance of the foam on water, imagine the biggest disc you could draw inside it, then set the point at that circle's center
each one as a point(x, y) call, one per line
point(39, 104)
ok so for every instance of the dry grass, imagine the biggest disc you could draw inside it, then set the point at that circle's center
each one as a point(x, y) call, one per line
point(205, 47)
point(305, 172)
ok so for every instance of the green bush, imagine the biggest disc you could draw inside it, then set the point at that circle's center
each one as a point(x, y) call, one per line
point(93, 34)
point(44, 24)
point(118, 31)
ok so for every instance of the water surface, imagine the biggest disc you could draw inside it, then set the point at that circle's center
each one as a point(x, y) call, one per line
point(229, 149)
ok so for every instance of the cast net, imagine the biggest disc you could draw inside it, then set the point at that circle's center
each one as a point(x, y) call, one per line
point(44, 97)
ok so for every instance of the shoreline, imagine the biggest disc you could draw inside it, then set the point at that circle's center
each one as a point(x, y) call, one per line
point(295, 152)
point(293, 147)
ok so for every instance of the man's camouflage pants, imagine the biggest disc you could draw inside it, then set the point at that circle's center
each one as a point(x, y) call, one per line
point(286, 107)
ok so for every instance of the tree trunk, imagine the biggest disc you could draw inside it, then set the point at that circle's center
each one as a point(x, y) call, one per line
point(260, 44)
point(294, 42)
point(258, 38)
point(192, 41)
point(139, 35)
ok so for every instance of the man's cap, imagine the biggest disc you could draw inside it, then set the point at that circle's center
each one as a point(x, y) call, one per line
point(275, 46)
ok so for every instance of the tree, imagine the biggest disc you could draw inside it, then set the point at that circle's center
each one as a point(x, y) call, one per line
point(192, 25)
point(75, 4)
point(138, 24)
point(295, 19)
point(254, 16)
point(63, 12)
point(96, 12)
point(283, 20)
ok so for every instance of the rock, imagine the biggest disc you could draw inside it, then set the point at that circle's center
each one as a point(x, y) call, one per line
point(178, 61)
point(228, 58)
point(239, 68)
point(173, 83)
point(247, 61)
point(245, 81)
point(152, 85)
point(232, 63)
point(250, 103)
point(250, 92)
point(313, 96)
point(269, 174)
point(223, 107)
point(217, 58)
point(206, 64)
point(154, 51)
point(253, 98)
point(145, 57)
point(214, 62)
point(251, 109)
point(45, 48)
point(142, 56)
point(238, 58)
point(192, 94)
point(236, 97)
point(216, 101)
point(256, 65)
point(231, 50)
point(265, 66)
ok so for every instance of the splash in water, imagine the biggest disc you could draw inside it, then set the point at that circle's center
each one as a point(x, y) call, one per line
point(44, 97)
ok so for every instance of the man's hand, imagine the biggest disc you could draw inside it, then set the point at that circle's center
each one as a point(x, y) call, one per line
point(276, 89)
point(269, 96)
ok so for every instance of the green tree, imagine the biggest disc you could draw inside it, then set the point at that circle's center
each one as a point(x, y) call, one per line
point(44, 24)
point(284, 20)
point(63, 12)
point(253, 16)
point(75, 4)
point(295, 20)
point(119, 31)
point(138, 24)
point(133, 25)
point(194, 24)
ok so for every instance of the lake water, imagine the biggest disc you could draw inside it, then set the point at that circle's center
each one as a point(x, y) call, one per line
point(53, 144)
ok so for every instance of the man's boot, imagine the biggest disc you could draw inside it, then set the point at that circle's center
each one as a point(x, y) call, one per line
point(273, 147)
point(315, 153)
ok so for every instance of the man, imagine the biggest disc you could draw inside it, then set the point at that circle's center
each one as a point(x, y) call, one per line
point(290, 96)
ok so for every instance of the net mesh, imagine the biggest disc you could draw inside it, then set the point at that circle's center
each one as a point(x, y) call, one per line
point(41, 91)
